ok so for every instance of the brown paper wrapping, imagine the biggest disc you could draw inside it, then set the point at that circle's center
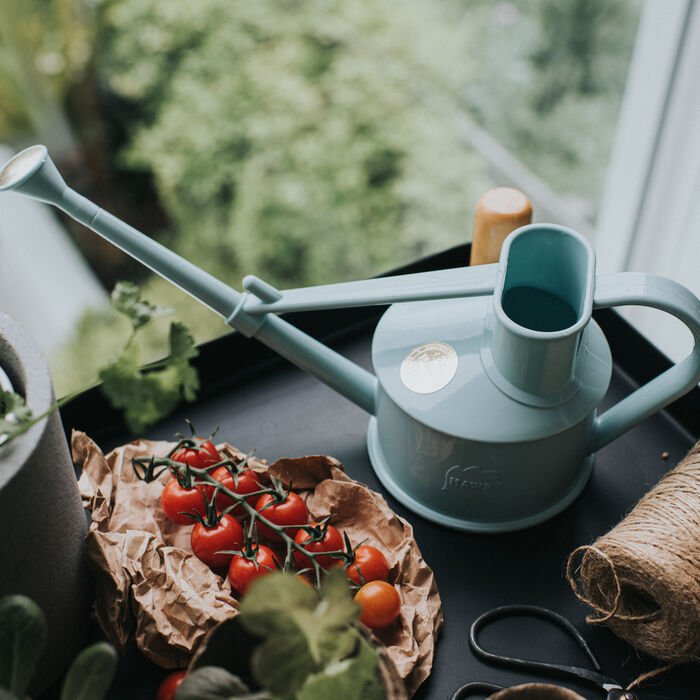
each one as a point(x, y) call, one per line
point(152, 588)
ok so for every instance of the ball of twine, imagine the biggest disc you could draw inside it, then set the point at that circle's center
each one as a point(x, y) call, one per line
point(642, 578)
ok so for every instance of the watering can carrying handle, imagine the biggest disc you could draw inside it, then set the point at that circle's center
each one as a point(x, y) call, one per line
point(639, 289)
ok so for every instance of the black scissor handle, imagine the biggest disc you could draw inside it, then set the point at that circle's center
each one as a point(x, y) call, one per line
point(591, 676)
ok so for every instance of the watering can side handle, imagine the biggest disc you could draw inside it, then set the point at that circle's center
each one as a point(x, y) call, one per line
point(638, 289)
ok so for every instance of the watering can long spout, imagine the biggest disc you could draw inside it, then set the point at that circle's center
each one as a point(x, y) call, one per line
point(252, 313)
point(32, 173)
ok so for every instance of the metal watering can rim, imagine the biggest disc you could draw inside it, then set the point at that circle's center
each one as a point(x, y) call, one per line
point(32, 173)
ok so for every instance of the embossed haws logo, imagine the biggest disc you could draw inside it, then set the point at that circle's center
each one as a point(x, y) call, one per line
point(485, 481)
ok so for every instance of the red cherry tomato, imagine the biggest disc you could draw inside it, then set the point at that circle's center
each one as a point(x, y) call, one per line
point(369, 565)
point(199, 457)
point(290, 511)
point(175, 501)
point(207, 542)
point(380, 604)
point(166, 690)
point(247, 483)
point(332, 541)
point(242, 572)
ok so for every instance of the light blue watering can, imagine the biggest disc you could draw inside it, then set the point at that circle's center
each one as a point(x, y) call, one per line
point(483, 408)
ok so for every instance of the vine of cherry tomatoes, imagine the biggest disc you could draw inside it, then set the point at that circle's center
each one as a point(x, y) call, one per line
point(230, 510)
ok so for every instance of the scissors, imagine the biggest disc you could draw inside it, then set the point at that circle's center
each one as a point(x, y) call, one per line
point(609, 687)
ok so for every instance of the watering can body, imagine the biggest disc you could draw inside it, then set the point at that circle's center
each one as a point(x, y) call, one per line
point(467, 455)
point(484, 406)
point(486, 416)
point(484, 422)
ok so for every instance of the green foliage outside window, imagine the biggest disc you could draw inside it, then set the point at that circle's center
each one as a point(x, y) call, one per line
point(295, 139)
point(311, 141)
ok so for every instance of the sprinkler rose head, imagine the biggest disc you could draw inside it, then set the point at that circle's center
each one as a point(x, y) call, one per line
point(22, 166)
point(33, 173)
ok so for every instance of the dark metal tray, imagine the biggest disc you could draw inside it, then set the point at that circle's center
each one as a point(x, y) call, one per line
point(260, 402)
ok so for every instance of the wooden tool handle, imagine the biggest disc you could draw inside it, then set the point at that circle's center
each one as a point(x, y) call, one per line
point(498, 212)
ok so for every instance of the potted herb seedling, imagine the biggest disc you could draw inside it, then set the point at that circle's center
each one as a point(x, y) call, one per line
point(44, 524)
point(41, 550)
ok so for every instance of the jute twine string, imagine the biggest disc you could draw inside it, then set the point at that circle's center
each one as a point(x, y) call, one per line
point(642, 578)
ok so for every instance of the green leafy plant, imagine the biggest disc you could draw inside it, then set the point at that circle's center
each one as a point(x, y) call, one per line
point(317, 154)
point(310, 647)
point(22, 640)
point(145, 395)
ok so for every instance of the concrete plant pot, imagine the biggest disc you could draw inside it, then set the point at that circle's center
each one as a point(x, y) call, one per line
point(43, 522)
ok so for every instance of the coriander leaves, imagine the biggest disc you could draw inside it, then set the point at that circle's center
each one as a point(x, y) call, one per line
point(126, 299)
point(309, 647)
point(148, 394)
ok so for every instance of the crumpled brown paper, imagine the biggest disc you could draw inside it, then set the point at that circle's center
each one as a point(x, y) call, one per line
point(150, 585)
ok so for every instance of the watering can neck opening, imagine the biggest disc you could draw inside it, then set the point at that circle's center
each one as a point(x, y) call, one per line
point(541, 306)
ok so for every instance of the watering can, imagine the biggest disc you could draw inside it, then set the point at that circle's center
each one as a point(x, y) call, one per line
point(483, 407)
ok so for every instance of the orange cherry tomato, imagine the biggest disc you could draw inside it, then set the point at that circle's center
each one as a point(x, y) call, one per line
point(369, 565)
point(380, 604)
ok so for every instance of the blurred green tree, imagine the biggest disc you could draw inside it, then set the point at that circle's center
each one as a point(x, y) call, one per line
point(292, 138)
point(297, 140)
point(550, 82)
point(582, 50)
point(45, 48)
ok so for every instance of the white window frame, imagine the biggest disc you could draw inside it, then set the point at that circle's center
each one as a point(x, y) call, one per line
point(649, 217)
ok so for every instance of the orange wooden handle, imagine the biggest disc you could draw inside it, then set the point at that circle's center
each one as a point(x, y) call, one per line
point(498, 212)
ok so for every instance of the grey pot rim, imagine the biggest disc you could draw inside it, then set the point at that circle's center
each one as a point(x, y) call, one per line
point(27, 371)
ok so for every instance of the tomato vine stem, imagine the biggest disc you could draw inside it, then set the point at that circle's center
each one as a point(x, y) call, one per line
point(192, 477)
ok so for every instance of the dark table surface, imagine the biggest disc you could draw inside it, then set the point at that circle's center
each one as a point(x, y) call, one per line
point(277, 410)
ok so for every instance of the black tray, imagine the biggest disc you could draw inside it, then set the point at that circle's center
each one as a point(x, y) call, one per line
point(261, 402)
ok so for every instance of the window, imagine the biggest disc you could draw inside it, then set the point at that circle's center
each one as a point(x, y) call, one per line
point(650, 214)
point(304, 142)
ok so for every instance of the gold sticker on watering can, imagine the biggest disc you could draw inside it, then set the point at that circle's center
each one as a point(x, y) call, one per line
point(429, 367)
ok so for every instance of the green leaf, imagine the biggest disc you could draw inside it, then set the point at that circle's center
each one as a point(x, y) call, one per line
point(182, 350)
point(15, 416)
point(271, 595)
point(91, 673)
point(302, 632)
point(213, 683)
point(283, 662)
point(126, 299)
point(142, 397)
point(147, 395)
point(356, 678)
point(22, 640)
